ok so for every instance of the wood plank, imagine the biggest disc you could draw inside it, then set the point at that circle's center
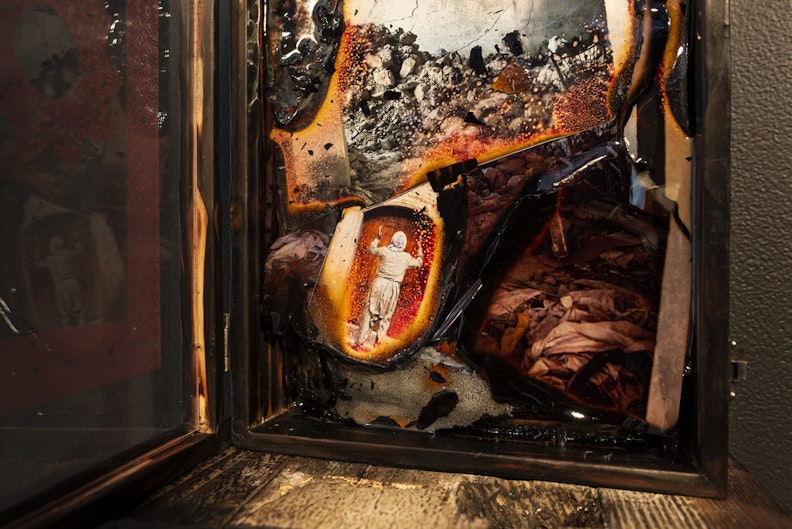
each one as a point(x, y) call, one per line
point(305, 493)
point(529, 504)
point(205, 471)
point(485, 501)
point(642, 510)
point(245, 489)
point(213, 492)
point(747, 505)
point(315, 493)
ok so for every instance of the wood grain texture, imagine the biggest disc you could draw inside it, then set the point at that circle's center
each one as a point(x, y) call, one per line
point(528, 504)
point(214, 491)
point(748, 505)
point(637, 510)
point(314, 493)
point(239, 489)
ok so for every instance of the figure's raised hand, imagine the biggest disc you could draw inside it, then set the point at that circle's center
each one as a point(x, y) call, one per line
point(379, 232)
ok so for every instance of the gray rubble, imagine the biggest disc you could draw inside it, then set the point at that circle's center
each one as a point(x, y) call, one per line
point(405, 99)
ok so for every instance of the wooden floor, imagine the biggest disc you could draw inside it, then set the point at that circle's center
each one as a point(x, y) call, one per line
point(242, 489)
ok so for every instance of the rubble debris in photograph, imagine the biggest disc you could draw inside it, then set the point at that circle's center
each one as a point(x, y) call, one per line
point(397, 104)
point(401, 102)
point(443, 393)
point(576, 305)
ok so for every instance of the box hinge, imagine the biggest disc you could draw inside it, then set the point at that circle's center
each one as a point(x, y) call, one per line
point(738, 368)
point(226, 348)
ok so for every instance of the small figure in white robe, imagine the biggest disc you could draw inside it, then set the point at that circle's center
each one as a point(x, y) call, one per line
point(384, 292)
point(68, 295)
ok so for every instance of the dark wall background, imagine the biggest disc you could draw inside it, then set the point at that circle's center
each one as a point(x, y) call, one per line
point(761, 228)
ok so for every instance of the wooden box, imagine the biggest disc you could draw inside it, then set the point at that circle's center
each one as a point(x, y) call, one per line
point(304, 383)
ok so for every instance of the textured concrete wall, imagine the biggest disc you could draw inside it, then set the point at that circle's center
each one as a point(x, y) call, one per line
point(761, 229)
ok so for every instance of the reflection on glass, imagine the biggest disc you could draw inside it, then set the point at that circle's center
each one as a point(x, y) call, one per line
point(89, 365)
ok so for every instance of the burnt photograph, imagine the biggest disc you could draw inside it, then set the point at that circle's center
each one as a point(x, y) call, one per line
point(379, 287)
point(559, 131)
point(369, 98)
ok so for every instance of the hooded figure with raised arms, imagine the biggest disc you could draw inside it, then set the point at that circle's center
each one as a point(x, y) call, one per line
point(384, 292)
